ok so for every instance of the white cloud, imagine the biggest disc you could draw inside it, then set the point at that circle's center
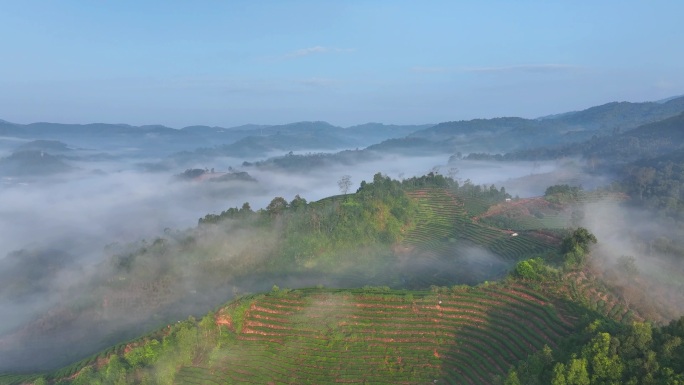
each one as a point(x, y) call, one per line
point(432, 69)
point(524, 68)
point(319, 82)
point(663, 84)
point(538, 68)
point(315, 50)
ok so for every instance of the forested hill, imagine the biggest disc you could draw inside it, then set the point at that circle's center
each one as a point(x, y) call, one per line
point(395, 255)
point(607, 147)
point(657, 184)
point(413, 234)
point(621, 116)
point(31, 163)
point(646, 141)
point(513, 134)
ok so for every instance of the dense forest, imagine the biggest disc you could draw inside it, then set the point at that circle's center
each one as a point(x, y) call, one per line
point(657, 184)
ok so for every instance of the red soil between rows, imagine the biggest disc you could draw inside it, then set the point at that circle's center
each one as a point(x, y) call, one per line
point(475, 321)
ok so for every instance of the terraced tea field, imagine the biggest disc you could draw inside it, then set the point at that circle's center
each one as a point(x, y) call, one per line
point(540, 213)
point(324, 336)
point(445, 232)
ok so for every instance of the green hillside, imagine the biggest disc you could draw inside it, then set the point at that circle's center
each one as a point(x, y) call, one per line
point(512, 332)
point(511, 134)
point(385, 234)
point(446, 233)
point(315, 336)
point(397, 256)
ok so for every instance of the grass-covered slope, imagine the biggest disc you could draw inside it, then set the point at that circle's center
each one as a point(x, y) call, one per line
point(413, 234)
point(319, 336)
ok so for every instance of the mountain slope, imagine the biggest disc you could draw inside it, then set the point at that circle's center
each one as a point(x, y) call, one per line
point(32, 163)
point(647, 141)
point(464, 335)
point(376, 236)
point(650, 140)
point(622, 115)
point(514, 134)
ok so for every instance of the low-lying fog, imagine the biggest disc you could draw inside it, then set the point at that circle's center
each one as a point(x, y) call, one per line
point(79, 215)
point(107, 202)
point(634, 255)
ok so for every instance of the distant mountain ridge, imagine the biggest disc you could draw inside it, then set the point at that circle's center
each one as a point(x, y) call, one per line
point(251, 139)
point(650, 140)
point(509, 134)
point(624, 115)
point(497, 135)
point(517, 138)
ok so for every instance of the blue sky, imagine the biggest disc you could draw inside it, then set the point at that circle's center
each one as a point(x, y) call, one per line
point(228, 63)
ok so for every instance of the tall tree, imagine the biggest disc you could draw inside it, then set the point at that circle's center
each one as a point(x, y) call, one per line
point(277, 206)
point(344, 183)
